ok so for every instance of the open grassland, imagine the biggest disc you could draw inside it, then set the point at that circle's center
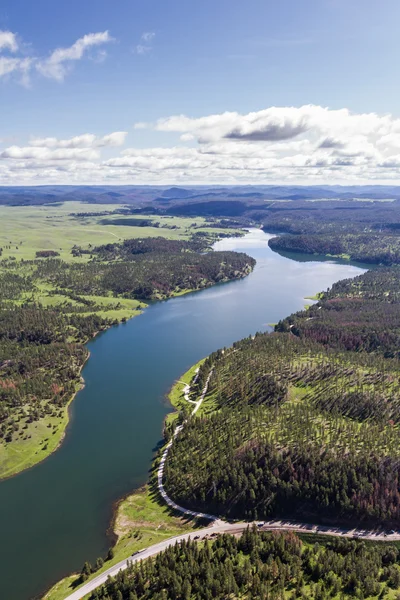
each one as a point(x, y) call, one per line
point(36, 440)
point(140, 521)
point(176, 395)
point(27, 229)
point(91, 274)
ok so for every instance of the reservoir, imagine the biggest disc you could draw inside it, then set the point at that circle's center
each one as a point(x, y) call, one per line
point(55, 516)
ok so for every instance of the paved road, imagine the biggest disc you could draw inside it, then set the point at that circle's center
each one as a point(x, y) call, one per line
point(160, 472)
point(233, 528)
point(217, 526)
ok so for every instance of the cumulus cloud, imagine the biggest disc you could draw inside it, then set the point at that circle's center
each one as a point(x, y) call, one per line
point(81, 148)
point(330, 142)
point(113, 139)
point(55, 66)
point(309, 144)
point(280, 123)
point(271, 132)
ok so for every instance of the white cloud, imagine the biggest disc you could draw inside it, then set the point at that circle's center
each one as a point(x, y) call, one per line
point(145, 46)
point(275, 124)
point(42, 153)
point(141, 49)
point(10, 65)
point(147, 36)
point(309, 144)
point(81, 141)
point(57, 64)
point(113, 139)
point(8, 40)
point(87, 140)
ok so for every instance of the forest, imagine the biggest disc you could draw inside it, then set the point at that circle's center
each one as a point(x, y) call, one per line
point(371, 248)
point(362, 231)
point(305, 421)
point(263, 566)
point(146, 269)
point(50, 308)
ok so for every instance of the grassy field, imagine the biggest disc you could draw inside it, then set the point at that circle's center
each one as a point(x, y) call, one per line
point(176, 395)
point(140, 521)
point(32, 228)
point(38, 440)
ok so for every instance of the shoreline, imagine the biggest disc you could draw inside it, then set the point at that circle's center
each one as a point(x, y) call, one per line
point(34, 458)
point(66, 409)
point(118, 504)
point(145, 489)
point(217, 525)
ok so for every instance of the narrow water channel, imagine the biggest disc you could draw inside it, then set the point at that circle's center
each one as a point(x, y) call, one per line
point(54, 516)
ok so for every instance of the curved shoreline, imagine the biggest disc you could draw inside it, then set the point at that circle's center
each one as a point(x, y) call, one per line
point(66, 408)
point(31, 462)
point(160, 470)
point(67, 416)
point(117, 503)
point(219, 526)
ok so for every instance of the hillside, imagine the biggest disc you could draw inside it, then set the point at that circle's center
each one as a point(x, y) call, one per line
point(261, 565)
point(303, 422)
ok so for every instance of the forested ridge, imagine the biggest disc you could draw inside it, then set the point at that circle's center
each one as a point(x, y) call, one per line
point(146, 276)
point(303, 422)
point(372, 247)
point(260, 565)
point(49, 308)
point(366, 232)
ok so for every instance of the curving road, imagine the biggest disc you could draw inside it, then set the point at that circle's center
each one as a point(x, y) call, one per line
point(218, 526)
point(160, 472)
point(232, 528)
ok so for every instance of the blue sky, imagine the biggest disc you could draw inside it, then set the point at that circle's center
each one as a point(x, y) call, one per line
point(146, 60)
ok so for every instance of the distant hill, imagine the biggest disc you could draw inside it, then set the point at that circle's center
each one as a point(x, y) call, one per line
point(142, 196)
point(176, 192)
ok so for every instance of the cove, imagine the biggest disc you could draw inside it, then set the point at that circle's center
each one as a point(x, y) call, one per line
point(55, 516)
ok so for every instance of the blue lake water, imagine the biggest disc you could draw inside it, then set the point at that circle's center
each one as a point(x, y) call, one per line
point(55, 516)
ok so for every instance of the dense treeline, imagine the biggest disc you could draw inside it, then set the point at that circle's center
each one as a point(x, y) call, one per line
point(42, 346)
point(128, 249)
point(360, 314)
point(134, 222)
point(47, 254)
point(259, 565)
point(41, 355)
point(146, 275)
point(304, 421)
point(229, 465)
point(373, 248)
point(363, 231)
point(331, 217)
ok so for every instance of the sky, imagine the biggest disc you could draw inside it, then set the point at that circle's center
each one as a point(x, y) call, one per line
point(209, 92)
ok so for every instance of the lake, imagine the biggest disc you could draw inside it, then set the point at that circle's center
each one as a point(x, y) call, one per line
point(55, 516)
